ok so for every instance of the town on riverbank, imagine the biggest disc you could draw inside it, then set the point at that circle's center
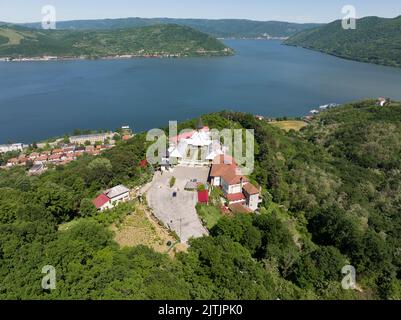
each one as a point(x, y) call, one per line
point(37, 157)
point(140, 54)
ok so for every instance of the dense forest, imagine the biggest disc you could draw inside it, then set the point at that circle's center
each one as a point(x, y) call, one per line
point(225, 28)
point(375, 40)
point(17, 41)
point(331, 197)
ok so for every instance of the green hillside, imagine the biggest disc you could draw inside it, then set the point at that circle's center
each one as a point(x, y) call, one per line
point(225, 28)
point(159, 39)
point(331, 197)
point(375, 40)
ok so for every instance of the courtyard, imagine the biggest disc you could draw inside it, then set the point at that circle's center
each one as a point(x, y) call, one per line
point(177, 212)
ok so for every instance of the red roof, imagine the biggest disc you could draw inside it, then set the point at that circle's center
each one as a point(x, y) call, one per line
point(100, 201)
point(203, 196)
point(185, 135)
point(239, 208)
point(250, 189)
point(55, 157)
point(225, 167)
point(224, 159)
point(224, 210)
point(235, 197)
point(42, 158)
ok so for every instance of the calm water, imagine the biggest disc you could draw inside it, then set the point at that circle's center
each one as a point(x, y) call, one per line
point(44, 99)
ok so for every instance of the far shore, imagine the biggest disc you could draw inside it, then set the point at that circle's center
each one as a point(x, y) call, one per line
point(120, 57)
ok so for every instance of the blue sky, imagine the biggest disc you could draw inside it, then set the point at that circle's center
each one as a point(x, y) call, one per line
point(284, 10)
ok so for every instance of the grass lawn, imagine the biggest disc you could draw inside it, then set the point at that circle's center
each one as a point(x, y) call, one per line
point(68, 225)
point(133, 225)
point(140, 228)
point(289, 124)
point(13, 36)
point(209, 215)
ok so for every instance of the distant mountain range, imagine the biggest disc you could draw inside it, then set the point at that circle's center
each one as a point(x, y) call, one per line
point(224, 28)
point(375, 40)
point(158, 40)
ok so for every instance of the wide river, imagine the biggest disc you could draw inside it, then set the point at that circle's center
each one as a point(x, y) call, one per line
point(45, 99)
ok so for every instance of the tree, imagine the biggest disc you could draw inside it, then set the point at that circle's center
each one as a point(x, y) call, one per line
point(87, 209)
point(66, 139)
point(57, 200)
point(220, 268)
point(100, 170)
point(240, 229)
point(333, 227)
point(318, 268)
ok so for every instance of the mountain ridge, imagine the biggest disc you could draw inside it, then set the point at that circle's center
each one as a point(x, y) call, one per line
point(375, 40)
point(159, 40)
point(222, 28)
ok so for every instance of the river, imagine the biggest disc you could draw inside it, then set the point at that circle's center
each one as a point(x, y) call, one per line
point(45, 99)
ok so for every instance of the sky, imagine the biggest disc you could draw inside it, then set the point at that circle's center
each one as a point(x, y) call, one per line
point(281, 10)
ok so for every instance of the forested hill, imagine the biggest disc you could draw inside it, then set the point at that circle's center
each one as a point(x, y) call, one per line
point(331, 197)
point(375, 40)
point(16, 41)
point(224, 28)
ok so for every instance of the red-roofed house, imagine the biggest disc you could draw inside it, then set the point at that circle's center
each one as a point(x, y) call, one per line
point(101, 201)
point(237, 189)
point(110, 198)
point(57, 151)
point(42, 158)
point(55, 158)
point(239, 208)
point(68, 150)
point(23, 160)
point(12, 162)
point(33, 155)
point(235, 197)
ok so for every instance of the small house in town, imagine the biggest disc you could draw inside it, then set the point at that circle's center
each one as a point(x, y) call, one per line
point(112, 197)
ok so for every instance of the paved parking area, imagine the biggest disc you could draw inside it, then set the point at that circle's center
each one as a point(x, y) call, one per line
point(178, 213)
